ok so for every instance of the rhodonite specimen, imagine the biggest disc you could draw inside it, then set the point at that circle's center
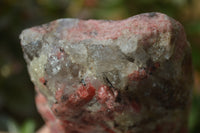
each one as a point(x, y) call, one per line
point(100, 76)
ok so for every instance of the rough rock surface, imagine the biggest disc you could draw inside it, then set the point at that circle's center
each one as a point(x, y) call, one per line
point(98, 76)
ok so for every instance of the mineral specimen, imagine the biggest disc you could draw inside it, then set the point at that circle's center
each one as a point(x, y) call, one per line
point(100, 76)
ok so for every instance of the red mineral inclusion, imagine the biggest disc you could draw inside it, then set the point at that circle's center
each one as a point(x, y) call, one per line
point(137, 75)
point(42, 80)
point(83, 95)
point(106, 96)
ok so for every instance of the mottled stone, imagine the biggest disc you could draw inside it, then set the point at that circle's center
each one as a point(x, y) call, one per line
point(97, 76)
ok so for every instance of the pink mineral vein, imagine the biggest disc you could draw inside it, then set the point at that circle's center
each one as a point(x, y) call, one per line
point(100, 76)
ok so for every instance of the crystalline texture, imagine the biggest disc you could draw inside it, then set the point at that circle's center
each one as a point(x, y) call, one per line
point(97, 76)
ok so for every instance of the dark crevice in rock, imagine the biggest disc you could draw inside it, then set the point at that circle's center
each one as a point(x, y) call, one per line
point(32, 49)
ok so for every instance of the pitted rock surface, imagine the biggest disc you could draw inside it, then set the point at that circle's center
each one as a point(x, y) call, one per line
point(98, 76)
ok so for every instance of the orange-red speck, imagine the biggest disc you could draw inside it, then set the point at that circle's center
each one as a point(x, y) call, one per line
point(137, 75)
point(42, 80)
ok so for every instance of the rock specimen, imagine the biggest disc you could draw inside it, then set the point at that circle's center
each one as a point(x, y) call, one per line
point(99, 76)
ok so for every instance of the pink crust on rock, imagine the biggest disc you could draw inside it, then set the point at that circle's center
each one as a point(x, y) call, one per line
point(44, 28)
point(50, 119)
point(103, 30)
